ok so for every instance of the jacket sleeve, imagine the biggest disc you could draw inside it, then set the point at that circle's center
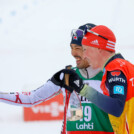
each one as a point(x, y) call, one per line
point(34, 97)
point(114, 103)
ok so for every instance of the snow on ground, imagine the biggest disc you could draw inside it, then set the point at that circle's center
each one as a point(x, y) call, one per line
point(34, 44)
point(11, 121)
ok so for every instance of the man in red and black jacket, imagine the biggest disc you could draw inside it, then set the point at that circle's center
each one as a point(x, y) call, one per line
point(117, 82)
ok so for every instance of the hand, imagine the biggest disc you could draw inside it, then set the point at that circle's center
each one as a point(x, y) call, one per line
point(75, 82)
point(57, 80)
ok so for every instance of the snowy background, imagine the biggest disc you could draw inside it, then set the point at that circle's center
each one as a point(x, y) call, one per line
point(34, 44)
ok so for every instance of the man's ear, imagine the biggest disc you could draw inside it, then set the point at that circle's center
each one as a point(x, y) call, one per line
point(100, 50)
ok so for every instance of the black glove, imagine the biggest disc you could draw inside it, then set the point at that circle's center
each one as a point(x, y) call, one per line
point(75, 82)
point(56, 79)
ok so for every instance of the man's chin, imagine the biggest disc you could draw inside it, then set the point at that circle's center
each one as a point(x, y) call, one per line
point(80, 66)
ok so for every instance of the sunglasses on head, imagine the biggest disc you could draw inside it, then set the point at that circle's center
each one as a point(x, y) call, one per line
point(81, 33)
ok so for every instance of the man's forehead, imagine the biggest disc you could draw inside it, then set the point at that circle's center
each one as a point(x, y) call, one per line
point(75, 45)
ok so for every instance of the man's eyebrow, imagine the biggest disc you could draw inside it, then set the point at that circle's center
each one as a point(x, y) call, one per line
point(77, 46)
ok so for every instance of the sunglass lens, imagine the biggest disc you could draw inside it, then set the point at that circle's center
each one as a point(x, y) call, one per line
point(79, 33)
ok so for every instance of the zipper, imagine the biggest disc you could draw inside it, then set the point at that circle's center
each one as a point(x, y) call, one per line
point(87, 73)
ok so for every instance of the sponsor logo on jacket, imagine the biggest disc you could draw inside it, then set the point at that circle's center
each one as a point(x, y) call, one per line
point(118, 89)
point(115, 73)
point(116, 79)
